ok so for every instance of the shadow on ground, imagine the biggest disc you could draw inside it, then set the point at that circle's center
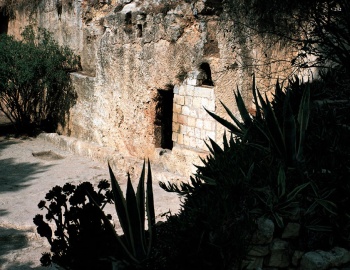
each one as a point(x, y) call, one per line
point(15, 176)
point(5, 142)
point(11, 240)
point(7, 129)
point(3, 212)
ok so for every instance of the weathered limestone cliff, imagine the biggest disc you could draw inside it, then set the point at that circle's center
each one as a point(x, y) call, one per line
point(150, 68)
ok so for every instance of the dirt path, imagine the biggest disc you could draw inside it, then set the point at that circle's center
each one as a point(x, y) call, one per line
point(28, 169)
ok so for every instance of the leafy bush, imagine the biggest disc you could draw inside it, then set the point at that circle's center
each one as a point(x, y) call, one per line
point(35, 85)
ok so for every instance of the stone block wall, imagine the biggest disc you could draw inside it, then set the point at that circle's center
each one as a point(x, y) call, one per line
point(191, 123)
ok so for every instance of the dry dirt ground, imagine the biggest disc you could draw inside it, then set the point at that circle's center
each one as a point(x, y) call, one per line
point(29, 167)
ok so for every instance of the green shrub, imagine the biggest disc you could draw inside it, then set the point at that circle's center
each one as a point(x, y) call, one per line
point(35, 85)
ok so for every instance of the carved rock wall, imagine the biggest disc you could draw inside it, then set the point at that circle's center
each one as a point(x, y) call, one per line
point(131, 51)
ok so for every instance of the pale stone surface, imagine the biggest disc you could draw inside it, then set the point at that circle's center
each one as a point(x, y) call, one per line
point(129, 50)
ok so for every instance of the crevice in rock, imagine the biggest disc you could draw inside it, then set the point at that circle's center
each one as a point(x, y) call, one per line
point(4, 21)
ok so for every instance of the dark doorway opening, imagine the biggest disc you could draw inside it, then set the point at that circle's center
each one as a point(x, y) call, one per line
point(206, 68)
point(139, 30)
point(164, 119)
point(4, 21)
point(128, 18)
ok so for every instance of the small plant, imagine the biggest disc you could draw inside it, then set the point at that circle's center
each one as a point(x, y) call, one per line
point(80, 238)
point(132, 210)
point(85, 237)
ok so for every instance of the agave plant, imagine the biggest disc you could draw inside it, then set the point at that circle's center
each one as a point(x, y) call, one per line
point(281, 135)
point(132, 211)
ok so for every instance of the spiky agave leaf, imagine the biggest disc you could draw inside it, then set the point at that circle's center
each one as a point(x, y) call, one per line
point(303, 120)
point(150, 209)
point(120, 206)
point(134, 220)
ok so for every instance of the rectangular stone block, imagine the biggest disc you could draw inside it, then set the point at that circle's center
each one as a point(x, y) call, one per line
point(200, 144)
point(182, 119)
point(176, 127)
point(175, 115)
point(197, 102)
point(190, 131)
point(177, 108)
point(174, 137)
point(183, 129)
point(199, 123)
point(211, 105)
point(192, 81)
point(186, 140)
point(194, 112)
point(181, 90)
point(185, 110)
point(205, 102)
point(191, 121)
point(207, 125)
point(189, 90)
point(193, 142)
point(197, 133)
point(204, 92)
point(204, 134)
point(176, 89)
point(188, 100)
point(180, 139)
point(179, 99)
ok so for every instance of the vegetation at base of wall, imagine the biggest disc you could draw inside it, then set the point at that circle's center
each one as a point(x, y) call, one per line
point(81, 238)
point(288, 162)
point(85, 237)
point(35, 84)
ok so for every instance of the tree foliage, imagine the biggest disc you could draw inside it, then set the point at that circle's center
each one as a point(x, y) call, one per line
point(318, 29)
point(35, 85)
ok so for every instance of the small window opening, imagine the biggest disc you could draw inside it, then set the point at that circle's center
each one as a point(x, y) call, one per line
point(206, 68)
point(164, 119)
point(128, 20)
point(139, 30)
point(4, 21)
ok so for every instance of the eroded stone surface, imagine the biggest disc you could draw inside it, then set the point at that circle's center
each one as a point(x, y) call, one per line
point(132, 49)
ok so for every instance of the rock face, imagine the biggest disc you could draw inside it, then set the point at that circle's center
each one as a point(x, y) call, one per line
point(150, 68)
